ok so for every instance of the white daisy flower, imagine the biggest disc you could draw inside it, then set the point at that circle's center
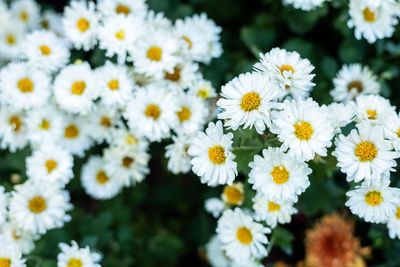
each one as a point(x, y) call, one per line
point(75, 88)
point(191, 114)
point(122, 137)
point(38, 207)
point(248, 100)
point(393, 225)
point(241, 237)
point(76, 138)
point(304, 128)
point(364, 154)
point(3, 206)
point(155, 54)
point(216, 256)
point(342, 114)
point(157, 21)
point(119, 33)
point(212, 156)
point(23, 87)
point(375, 203)
point(391, 129)
point(278, 176)
point(81, 24)
point(233, 194)
point(115, 84)
point(374, 109)
point(305, 5)
point(10, 255)
point(75, 256)
point(102, 120)
point(50, 164)
point(177, 154)
point(183, 75)
point(129, 166)
point(27, 12)
point(11, 36)
point(353, 80)
point(96, 182)
point(214, 206)
point(129, 8)
point(13, 130)
point(203, 89)
point(288, 70)
point(371, 22)
point(152, 112)
point(271, 212)
point(24, 241)
point(52, 21)
point(44, 50)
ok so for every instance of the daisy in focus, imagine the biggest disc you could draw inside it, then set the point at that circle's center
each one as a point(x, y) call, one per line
point(72, 255)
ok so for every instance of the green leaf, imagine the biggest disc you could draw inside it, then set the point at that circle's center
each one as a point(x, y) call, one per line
point(283, 238)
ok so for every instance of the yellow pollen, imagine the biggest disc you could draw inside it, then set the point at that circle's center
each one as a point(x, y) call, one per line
point(233, 194)
point(250, 101)
point(123, 9)
point(50, 165)
point(78, 87)
point(5, 262)
point(74, 263)
point(398, 213)
point(83, 24)
point(101, 177)
point(15, 122)
point(45, 125)
point(71, 131)
point(280, 174)
point(10, 39)
point(184, 114)
point(272, 206)
point(37, 204)
point(244, 235)
point(369, 15)
point(286, 68)
point(373, 198)
point(175, 76)
point(25, 85)
point(355, 84)
point(398, 133)
point(203, 93)
point(106, 122)
point(303, 130)
point(152, 111)
point(24, 16)
point(120, 35)
point(217, 154)
point(113, 85)
point(154, 53)
point(15, 236)
point(127, 161)
point(188, 41)
point(366, 151)
point(371, 114)
point(131, 140)
point(45, 50)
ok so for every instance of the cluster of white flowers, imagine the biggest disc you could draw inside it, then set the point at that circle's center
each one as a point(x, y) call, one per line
point(149, 89)
point(274, 100)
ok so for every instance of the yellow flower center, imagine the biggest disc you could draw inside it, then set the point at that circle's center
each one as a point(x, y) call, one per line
point(120, 35)
point(45, 125)
point(15, 122)
point(113, 85)
point(37, 204)
point(184, 114)
point(152, 111)
point(175, 76)
point(50, 165)
point(106, 122)
point(217, 154)
point(303, 130)
point(10, 39)
point(244, 235)
point(74, 263)
point(272, 206)
point(15, 236)
point(374, 198)
point(355, 84)
point(398, 133)
point(45, 50)
point(286, 68)
point(131, 140)
point(71, 131)
point(398, 213)
point(127, 161)
point(78, 87)
point(203, 93)
point(83, 24)
point(25, 85)
point(154, 53)
point(369, 15)
point(250, 101)
point(233, 194)
point(101, 177)
point(123, 9)
point(24, 16)
point(280, 174)
point(366, 151)
point(5, 262)
point(371, 114)
point(188, 41)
